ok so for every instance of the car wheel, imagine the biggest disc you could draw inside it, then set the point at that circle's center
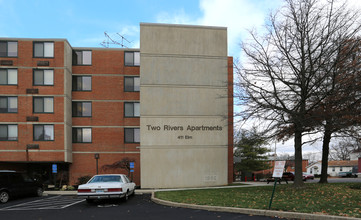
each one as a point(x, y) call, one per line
point(126, 197)
point(4, 197)
point(39, 192)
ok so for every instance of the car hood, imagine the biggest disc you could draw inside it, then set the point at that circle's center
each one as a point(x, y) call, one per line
point(100, 185)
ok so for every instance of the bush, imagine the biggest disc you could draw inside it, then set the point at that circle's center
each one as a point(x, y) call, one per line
point(70, 188)
point(83, 180)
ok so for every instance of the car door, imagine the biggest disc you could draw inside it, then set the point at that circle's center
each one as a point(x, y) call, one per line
point(17, 184)
point(130, 185)
point(4, 181)
point(29, 184)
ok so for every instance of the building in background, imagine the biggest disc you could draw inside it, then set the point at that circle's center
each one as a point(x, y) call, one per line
point(67, 112)
point(334, 167)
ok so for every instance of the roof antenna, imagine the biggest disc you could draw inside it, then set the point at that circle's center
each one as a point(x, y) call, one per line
point(109, 40)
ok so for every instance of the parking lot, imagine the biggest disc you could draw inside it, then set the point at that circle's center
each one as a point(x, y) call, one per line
point(137, 207)
point(53, 202)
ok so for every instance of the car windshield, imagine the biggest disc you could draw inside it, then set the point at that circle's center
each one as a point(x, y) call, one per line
point(98, 179)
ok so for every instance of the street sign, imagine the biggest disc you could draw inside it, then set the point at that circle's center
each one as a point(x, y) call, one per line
point(132, 171)
point(277, 173)
point(278, 169)
point(131, 165)
point(54, 168)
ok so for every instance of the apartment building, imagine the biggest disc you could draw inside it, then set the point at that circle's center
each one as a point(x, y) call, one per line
point(68, 112)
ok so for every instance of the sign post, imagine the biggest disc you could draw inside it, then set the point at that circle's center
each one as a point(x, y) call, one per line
point(54, 170)
point(277, 173)
point(131, 166)
point(96, 157)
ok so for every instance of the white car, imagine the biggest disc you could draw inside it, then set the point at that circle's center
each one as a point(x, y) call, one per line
point(107, 186)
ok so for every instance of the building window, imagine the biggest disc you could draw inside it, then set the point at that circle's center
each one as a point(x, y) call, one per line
point(82, 109)
point(43, 77)
point(43, 105)
point(82, 83)
point(8, 49)
point(131, 84)
point(82, 57)
point(131, 109)
point(340, 168)
point(44, 49)
point(131, 135)
point(8, 132)
point(8, 104)
point(82, 135)
point(333, 169)
point(8, 76)
point(131, 58)
point(43, 132)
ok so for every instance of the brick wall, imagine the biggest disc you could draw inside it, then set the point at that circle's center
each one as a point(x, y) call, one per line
point(107, 120)
point(25, 63)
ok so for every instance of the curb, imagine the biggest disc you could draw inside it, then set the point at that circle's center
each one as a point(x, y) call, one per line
point(74, 193)
point(261, 212)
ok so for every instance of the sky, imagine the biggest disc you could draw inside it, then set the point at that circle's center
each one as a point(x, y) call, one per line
point(83, 22)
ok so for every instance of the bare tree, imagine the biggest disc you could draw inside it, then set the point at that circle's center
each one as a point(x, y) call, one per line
point(339, 112)
point(343, 149)
point(286, 69)
point(120, 164)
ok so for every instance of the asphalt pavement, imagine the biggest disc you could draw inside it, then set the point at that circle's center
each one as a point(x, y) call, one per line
point(65, 205)
point(138, 207)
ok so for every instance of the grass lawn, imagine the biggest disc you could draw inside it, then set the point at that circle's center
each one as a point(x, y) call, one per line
point(342, 199)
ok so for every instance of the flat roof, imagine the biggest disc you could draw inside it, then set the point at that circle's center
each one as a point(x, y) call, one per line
point(182, 25)
point(65, 40)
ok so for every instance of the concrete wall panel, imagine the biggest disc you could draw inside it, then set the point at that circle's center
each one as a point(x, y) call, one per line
point(183, 40)
point(184, 83)
point(159, 101)
point(203, 71)
point(197, 132)
point(183, 167)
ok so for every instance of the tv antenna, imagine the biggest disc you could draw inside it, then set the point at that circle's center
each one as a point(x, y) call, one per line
point(109, 41)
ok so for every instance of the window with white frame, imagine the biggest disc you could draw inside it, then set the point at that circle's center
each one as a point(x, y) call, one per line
point(43, 132)
point(8, 132)
point(131, 135)
point(8, 76)
point(43, 77)
point(131, 84)
point(82, 135)
point(44, 49)
point(8, 49)
point(8, 104)
point(131, 109)
point(132, 58)
point(43, 105)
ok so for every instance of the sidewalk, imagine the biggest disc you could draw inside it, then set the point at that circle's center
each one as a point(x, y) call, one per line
point(150, 191)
